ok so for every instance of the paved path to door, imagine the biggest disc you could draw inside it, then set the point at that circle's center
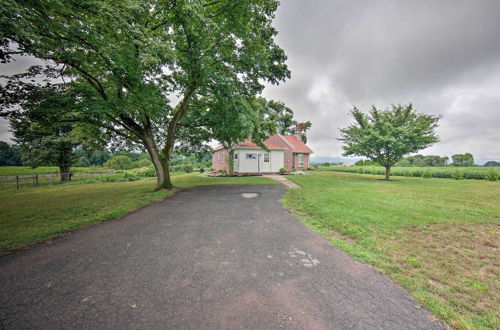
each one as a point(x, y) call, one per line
point(206, 258)
point(282, 179)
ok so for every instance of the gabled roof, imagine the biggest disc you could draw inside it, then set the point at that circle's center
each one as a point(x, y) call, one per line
point(297, 145)
point(276, 142)
point(249, 144)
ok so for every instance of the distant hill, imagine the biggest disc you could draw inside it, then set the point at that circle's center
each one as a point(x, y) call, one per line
point(321, 159)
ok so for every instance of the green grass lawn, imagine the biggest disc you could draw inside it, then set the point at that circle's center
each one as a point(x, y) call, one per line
point(34, 214)
point(438, 238)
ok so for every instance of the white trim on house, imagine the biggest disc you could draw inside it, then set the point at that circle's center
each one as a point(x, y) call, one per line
point(257, 148)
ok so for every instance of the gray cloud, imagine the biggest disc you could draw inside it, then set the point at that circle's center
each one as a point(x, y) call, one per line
point(443, 56)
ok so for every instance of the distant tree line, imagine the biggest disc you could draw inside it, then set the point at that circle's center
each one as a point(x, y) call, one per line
point(15, 155)
point(466, 159)
point(9, 155)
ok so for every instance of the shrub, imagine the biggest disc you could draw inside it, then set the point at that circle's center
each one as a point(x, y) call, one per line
point(326, 164)
point(144, 163)
point(283, 171)
point(315, 166)
point(143, 172)
point(457, 175)
point(119, 163)
point(492, 175)
point(182, 168)
point(427, 174)
point(406, 173)
point(298, 173)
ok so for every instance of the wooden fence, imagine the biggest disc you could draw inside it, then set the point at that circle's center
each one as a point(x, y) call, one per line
point(19, 181)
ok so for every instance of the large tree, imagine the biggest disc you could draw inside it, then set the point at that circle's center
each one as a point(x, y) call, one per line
point(385, 136)
point(156, 73)
point(42, 124)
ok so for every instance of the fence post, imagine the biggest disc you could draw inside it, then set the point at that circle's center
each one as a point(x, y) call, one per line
point(36, 179)
point(17, 181)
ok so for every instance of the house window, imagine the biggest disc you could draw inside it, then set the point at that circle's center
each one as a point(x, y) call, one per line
point(266, 157)
point(251, 156)
point(301, 160)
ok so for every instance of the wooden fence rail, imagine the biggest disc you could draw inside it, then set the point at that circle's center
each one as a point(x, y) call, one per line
point(37, 179)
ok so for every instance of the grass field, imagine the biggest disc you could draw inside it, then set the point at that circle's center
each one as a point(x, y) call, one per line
point(438, 238)
point(35, 214)
point(12, 170)
point(472, 172)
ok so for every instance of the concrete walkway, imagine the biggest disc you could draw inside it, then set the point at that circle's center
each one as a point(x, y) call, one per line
point(214, 257)
point(282, 179)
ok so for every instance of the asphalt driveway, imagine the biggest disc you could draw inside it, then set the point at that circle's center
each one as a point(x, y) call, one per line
point(206, 258)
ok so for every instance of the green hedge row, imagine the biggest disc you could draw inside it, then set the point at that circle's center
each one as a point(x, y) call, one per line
point(478, 173)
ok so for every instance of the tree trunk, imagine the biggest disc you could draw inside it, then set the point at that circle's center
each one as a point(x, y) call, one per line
point(387, 172)
point(230, 162)
point(160, 163)
point(64, 173)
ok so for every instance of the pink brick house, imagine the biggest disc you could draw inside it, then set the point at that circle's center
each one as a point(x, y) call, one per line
point(284, 152)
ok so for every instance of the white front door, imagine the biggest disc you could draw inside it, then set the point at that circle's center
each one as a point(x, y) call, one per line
point(266, 162)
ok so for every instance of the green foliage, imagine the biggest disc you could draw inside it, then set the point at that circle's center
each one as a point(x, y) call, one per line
point(9, 155)
point(457, 175)
point(427, 174)
point(123, 63)
point(492, 175)
point(119, 163)
point(472, 172)
point(385, 136)
point(365, 162)
point(326, 164)
point(463, 159)
point(99, 157)
point(283, 171)
point(420, 160)
point(182, 168)
point(82, 162)
point(41, 125)
point(144, 163)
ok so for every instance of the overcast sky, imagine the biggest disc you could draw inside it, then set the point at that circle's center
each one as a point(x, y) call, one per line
point(442, 56)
